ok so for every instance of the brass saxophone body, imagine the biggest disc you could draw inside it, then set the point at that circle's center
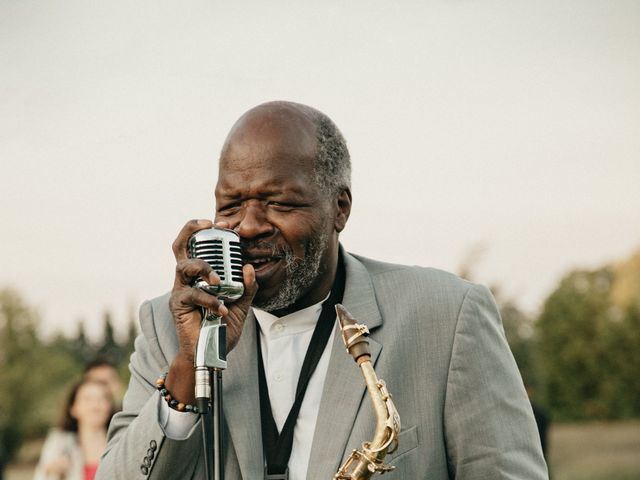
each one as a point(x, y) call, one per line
point(369, 460)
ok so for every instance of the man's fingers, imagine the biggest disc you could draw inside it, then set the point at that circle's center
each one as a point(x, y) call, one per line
point(250, 287)
point(189, 269)
point(249, 278)
point(179, 245)
point(203, 299)
point(192, 298)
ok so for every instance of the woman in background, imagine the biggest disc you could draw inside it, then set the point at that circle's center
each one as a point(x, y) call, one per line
point(105, 371)
point(73, 451)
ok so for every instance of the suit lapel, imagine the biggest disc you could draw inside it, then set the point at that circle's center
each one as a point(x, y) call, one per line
point(242, 402)
point(344, 386)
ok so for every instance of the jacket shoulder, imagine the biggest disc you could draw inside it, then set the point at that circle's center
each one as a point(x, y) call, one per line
point(418, 295)
point(433, 279)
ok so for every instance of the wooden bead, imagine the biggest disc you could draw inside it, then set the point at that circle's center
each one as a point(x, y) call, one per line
point(173, 403)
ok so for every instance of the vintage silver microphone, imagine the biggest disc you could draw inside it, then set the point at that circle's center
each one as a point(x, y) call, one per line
point(220, 248)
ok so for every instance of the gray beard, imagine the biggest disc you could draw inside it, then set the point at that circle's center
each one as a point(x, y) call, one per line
point(299, 274)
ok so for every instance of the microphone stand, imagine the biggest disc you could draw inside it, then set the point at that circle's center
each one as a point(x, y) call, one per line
point(210, 361)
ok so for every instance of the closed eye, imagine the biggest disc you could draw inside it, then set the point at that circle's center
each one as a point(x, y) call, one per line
point(284, 206)
point(229, 209)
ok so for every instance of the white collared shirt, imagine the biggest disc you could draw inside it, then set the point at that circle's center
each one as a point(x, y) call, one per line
point(284, 342)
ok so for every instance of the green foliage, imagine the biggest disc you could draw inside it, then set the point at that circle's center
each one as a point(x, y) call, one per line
point(18, 345)
point(569, 344)
point(109, 350)
point(588, 349)
point(518, 328)
point(80, 347)
point(35, 375)
point(32, 375)
point(621, 364)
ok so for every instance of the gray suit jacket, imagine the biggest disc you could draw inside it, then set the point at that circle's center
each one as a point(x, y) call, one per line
point(436, 340)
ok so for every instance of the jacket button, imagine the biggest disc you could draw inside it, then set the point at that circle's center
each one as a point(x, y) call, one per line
point(144, 470)
point(146, 462)
point(150, 454)
point(153, 445)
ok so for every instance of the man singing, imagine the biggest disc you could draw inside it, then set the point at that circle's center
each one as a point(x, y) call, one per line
point(284, 187)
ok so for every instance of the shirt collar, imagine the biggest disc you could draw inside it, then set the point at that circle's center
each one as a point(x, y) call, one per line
point(293, 323)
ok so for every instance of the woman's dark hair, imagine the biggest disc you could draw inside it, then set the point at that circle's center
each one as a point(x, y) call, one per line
point(99, 362)
point(69, 423)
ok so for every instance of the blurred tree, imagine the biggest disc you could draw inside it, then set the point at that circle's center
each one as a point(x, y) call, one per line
point(109, 349)
point(80, 347)
point(132, 331)
point(622, 340)
point(571, 347)
point(589, 342)
point(621, 364)
point(128, 346)
point(18, 369)
point(518, 327)
point(17, 344)
point(34, 375)
point(625, 291)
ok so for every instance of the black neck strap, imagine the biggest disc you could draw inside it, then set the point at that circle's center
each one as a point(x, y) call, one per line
point(277, 446)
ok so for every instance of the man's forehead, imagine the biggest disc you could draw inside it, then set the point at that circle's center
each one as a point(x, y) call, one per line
point(262, 156)
point(227, 189)
point(267, 173)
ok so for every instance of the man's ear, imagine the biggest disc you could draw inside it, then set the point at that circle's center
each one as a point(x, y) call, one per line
point(343, 206)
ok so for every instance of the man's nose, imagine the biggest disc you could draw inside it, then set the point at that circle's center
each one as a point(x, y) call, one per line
point(254, 222)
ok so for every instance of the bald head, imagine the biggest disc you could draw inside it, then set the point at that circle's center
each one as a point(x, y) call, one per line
point(263, 119)
point(297, 128)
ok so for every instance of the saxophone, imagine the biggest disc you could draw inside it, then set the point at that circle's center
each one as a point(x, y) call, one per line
point(363, 464)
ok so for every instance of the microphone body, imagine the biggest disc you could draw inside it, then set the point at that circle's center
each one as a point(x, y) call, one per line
point(220, 248)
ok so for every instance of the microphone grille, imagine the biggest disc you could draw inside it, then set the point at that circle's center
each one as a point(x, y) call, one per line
point(220, 248)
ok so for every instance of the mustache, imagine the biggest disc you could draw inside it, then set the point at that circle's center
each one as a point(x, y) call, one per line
point(285, 252)
point(261, 245)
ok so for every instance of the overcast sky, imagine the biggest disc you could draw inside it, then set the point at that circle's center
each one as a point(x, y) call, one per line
point(508, 124)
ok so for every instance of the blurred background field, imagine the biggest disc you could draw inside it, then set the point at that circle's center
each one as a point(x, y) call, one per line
point(595, 451)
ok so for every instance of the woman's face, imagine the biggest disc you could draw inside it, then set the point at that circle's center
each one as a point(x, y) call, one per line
point(92, 405)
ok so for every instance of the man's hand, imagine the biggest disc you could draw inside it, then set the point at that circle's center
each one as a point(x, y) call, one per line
point(186, 305)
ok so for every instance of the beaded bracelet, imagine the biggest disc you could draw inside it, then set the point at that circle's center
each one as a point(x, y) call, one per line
point(172, 402)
